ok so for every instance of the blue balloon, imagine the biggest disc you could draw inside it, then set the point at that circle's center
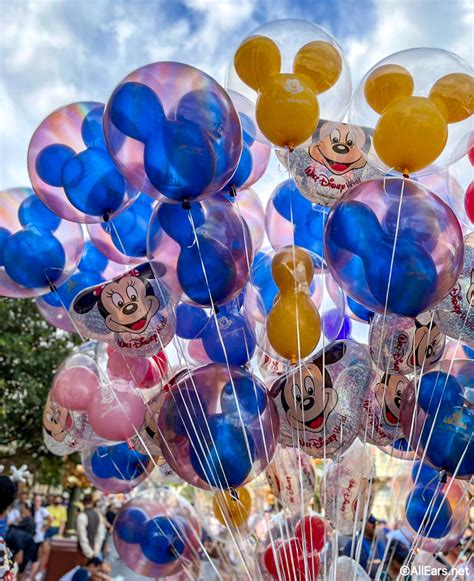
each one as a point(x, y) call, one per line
point(262, 279)
point(249, 129)
point(118, 461)
point(244, 169)
point(250, 397)
point(359, 311)
point(33, 257)
point(129, 229)
point(129, 525)
point(439, 390)
point(190, 420)
point(4, 236)
point(223, 459)
point(92, 259)
point(67, 292)
point(421, 473)
point(51, 161)
point(91, 129)
point(32, 212)
point(162, 540)
point(190, 321)
point(345, 332)
point(177, 224)
point(422, 514)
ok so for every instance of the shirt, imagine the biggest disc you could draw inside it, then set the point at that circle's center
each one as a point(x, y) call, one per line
point(90, 547)
point(58, 514)
point(41, 515)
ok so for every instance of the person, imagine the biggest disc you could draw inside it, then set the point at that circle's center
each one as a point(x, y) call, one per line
point(8, 563)
point(21, 541)
point(94, 570)
point(57, 512)
point(372, 549)
point(392, 564)
point(42, 520)
point(90, 528)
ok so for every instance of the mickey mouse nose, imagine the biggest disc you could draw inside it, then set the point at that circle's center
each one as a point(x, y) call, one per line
point(129, 309)
point(308, 403)
point(340, 148)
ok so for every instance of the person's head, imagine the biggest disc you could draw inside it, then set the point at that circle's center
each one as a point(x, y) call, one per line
point(88, 501)
point(58, 499)
point(399, 553)
point(94, 565)
point(23, 496)
point(25, 510)
point(369, 529)
point(37, 501)
point(7, 493)
point(50, 499)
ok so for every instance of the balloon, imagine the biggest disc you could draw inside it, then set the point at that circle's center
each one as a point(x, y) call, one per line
point(453, 95)
point(382, 403)
point(289, 556)
point(217, 449)
point(348, 489)
point(291, 219)
point(411, 128)
point(311, 532)
point(117, 411)
point(421, 473)
point(232, 509)
point(202, 254)
point(455, 313)
point(123, 238)
point(58, 433)
point(74, 386)
point(157, 533)
point(116, 469)
point(291, 69)
point(402, 345)
point(132, 312)
point(320, 401)
point(427, 259)
point(227, 336)
point(250, 209)
point(386, 84)
point(173, 131)
point(334, 162)
point(38, 250)
point(358, 312)
point(292, 478)
point(70, 168)
point(293, 325)
point(347, 568)
point(144, 372)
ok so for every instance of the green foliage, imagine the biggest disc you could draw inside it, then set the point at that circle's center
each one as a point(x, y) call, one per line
point(30, 353)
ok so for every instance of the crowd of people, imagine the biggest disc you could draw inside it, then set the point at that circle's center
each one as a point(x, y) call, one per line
point(29, 522)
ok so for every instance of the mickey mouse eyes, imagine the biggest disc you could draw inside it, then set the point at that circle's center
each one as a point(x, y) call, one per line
point(117, 299)
point(131, 293)
point(350, 143)
point(309, 385)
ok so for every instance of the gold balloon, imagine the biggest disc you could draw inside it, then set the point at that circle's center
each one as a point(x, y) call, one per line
point(454, 96)
point(257, 59)
point(232, 507)
point(387, 84)
point(410, 134)
point(293, 325)
point(320, 63)
point(287, 110)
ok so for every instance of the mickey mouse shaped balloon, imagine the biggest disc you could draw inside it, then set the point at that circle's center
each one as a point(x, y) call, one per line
point(320, 401)
point(132, 312)
point(72, 171)
point(287, 106)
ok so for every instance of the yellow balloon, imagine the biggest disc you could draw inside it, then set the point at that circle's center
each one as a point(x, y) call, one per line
point(321, 64)
point(232, 507)
point(293, 325)
point(257, 59)
point(287, 110)
point(454, 96)
point(410, 134)
point(387, 84)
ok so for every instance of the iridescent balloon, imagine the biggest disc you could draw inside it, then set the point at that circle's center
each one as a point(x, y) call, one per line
point(157, 533)
point(250, 208)
point(402, 345)
point(359, 240)
point(217, 426)
point(38, 250)
point(320, 402)
point(455, 313)
point(72, 171)
point(173, 131)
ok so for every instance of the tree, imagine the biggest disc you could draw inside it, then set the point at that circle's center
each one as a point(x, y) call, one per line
point(30, 353)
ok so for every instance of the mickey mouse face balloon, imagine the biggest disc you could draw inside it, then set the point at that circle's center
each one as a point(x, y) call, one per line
point(455, 314)
point(71, 169)
point(320, 402)
point(401, 345)
point(132, 312)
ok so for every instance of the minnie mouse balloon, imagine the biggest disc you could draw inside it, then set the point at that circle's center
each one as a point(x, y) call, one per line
point(380, 424)
point(72, 171)
point(401, 345)
point(320, 402)
point(59, 435)
point(132, 312)
point(173, 131)
point(455, 313)
point(38, 250)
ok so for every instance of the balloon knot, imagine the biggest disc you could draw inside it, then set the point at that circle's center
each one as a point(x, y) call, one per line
point(106, 216)
point(233, 191)
point(233, 494)
point(186, 205)
point(406, 176)
point(216, 309)
point(52, 287)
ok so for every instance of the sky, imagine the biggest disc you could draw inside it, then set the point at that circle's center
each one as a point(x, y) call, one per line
point(54, 52)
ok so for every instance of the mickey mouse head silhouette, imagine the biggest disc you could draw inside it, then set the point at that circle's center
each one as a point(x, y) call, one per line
point(412, 131)
point(89, 178)
point(287, 109)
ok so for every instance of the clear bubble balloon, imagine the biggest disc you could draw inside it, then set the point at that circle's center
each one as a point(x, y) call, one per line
point(173, 131)
point(71, 169)
point(250, 209)
point(38, 250)
point(359, 246)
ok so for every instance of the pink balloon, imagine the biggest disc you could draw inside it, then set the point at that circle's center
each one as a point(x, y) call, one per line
point(144, 372)
point(74, 387)
point(117, 411)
